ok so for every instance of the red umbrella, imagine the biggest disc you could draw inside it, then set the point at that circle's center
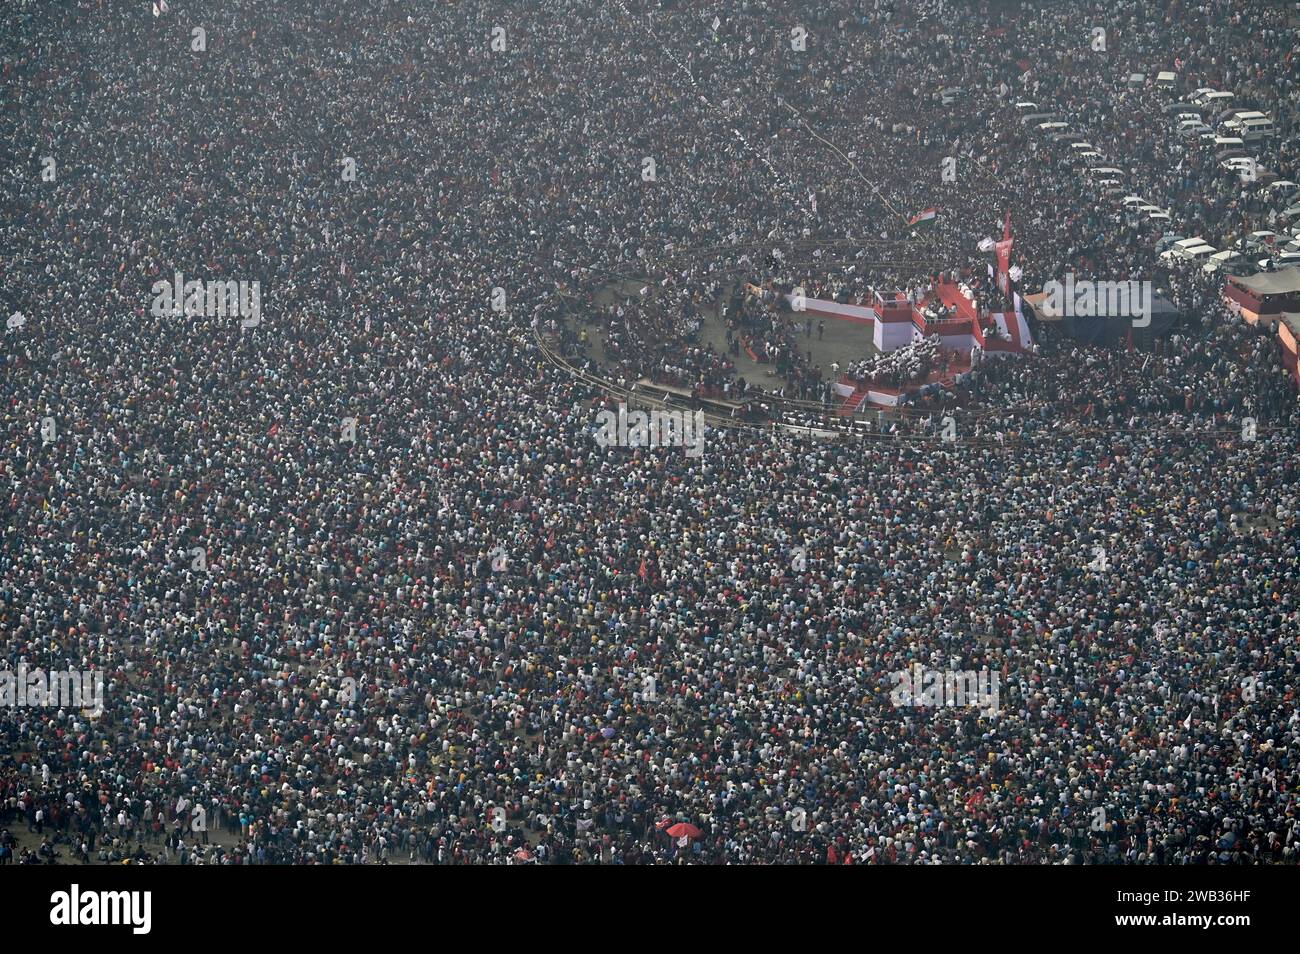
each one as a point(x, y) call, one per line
point(684, 830)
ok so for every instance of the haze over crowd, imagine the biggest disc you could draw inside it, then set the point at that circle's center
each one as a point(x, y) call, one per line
point(357, 651)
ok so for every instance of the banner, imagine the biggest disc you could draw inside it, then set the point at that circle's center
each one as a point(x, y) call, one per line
point(1004, 257)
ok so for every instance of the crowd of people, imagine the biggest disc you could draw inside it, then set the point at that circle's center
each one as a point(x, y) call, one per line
point(365, 590)
point(905, 365)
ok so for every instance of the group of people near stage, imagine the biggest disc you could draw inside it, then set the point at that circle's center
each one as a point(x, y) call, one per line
point(904, 366)
point(364, 582)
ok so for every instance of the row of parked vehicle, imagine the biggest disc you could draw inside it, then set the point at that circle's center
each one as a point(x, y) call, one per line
point(1213, 119)
point(1209, 118)
point(1263, 251)
point(1105, 178)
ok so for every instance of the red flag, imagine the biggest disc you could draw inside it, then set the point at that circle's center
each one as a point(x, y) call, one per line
point(642, 572)
point(274, 429)
point(1003, 249)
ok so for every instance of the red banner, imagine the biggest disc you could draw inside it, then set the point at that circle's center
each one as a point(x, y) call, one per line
point(1003, 250)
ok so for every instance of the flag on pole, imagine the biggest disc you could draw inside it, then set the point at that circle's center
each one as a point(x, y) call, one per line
point(1003, 249)
point(925, 215)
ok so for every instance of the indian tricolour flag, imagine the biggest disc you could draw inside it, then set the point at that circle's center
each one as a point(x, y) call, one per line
point(922, 217)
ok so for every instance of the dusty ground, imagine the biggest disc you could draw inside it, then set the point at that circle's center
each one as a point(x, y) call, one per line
point(841, 341)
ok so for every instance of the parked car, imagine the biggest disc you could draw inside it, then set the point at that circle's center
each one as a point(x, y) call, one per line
point(1192, 249)
point(1238, 164)
point(1227, 260)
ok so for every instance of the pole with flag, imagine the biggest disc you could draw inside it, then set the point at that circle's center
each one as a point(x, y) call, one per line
point(924, 217)
point(1003, 249)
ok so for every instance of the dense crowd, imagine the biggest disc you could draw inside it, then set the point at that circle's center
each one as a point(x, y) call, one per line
point(903, 366)
point(431, 620)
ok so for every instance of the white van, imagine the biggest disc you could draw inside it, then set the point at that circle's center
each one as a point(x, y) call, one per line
point(1194, 250)
point(1026, 107)
point(1240, 164)
point(1239, 116)
point(1136, 201)
point(1253, 130)
point(1282, 187)
point(1225, 259)
point(1222, 98)
point(1052, 127)
point(1166, 79)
